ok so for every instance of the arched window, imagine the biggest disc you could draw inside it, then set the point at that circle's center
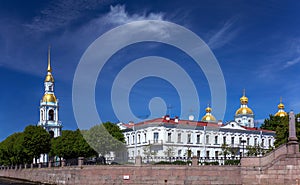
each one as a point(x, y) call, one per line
point(51, 132)
point(42, 115)
point(51, 115)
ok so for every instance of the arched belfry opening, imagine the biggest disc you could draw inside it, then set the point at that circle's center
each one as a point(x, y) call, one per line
point(51, 132)
point(51, 115)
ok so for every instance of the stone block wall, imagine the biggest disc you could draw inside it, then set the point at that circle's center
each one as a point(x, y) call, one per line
point(131, 175)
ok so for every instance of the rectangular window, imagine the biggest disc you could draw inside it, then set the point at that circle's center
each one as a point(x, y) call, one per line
point(139, 138)
point(207, 154)
point(207, 139)
point(216, 140)
point(179, 138)
point(133, 141)
point(262, 143)
point(224, 140)
point(169, 137)
point(232, 140)
point(270, 143)
point(179, 152)
point(248, 141)
point(198, 153)
point(255, 141)
point(155, 137)
point(189, 138)
point(216, 154)
point(198, 138)
point(128, 142)
point(240, 140)
point(145, 136)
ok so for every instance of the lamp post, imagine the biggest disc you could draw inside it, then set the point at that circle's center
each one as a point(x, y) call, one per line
point(243, 143)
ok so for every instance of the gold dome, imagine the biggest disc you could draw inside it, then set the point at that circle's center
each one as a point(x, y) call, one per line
point(244, 110)
point(281, 114)
point(280, 106)
point(208, 109)
point(49, 78)
point(244, 100)
point(208, 117)
point(49, 98)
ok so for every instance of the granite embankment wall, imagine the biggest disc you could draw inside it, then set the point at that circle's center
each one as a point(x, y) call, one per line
point(130, 175)
point(280, 167)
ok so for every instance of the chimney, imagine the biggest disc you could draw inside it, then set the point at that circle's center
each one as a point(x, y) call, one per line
point(176, 120)
point(220, 123)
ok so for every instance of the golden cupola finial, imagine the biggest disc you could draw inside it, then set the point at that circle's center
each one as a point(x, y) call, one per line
point(280, 105)
point(208, 109)
point(49, 77)
point(244, 99)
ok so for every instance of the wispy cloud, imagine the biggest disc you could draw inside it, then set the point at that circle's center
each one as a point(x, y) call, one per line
point(118, 15)
point(292, 62)
point(61, 13)
point(224, 35)
point(288, 56)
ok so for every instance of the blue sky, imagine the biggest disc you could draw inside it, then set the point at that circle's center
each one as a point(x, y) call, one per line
point(257, 45)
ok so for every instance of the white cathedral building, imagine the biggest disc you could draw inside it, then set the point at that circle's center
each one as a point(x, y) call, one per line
point(49, 107)
point(171, 137)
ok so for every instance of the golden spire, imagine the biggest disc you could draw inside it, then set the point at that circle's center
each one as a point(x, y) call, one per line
point(49, 69)
point(49, 77)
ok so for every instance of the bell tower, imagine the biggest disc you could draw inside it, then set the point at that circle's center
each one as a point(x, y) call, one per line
point(49, 119)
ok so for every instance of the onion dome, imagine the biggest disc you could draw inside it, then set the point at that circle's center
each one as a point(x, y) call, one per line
point(49, 98)
point(208, 117)
point(281, 111)
point(244, 109)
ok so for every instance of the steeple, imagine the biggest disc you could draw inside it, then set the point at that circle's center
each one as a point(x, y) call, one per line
point(49, 69)
point(49, 77)
point(49, 105)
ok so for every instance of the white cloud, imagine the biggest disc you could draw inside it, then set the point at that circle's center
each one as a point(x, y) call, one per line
point(286, 56)
point(118, 15)
point(292, 62)
point(223, 35)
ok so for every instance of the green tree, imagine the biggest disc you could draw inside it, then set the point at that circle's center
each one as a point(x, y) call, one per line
point(254, 150)
point(71, 144)
point(12, 150)
point(101, 138)
point(148, 152)
point(36, 141)
point(169, 152)
point(225, 150)
point(114, 131)
point(281, 126)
